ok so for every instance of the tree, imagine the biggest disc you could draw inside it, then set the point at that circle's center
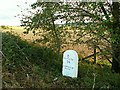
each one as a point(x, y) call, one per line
point(102, 25)
point(115, 35)
point(43, 20)
point(103, 15)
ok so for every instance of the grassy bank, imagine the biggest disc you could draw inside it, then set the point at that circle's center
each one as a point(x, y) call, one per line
point(26, 65)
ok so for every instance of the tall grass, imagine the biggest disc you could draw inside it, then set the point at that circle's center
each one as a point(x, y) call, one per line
point(22, 57)
point(26, 65)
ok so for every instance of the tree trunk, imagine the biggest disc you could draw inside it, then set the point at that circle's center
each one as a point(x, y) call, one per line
point(115, 36)
point(57, 38)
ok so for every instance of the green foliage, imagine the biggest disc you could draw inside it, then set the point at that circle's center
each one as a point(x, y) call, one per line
point(23, 49)
point(97, 32)
point(44, 71)
point(21, 58)
point(44, 19)
point(74, 14)
point(103, 76)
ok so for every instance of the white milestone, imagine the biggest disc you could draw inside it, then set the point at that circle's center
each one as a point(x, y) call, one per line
point(70, 64)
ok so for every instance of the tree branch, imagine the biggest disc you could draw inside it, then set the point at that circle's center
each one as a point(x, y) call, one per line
point(104, 11)
point(103, 54)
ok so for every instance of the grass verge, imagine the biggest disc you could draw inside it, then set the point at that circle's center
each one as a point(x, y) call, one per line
point(26, 65)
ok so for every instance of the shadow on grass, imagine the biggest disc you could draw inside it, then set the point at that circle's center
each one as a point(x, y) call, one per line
point(23, 60)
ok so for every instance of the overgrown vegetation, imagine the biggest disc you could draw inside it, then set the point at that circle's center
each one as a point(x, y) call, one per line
point(97, 21)
point(28, 65)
